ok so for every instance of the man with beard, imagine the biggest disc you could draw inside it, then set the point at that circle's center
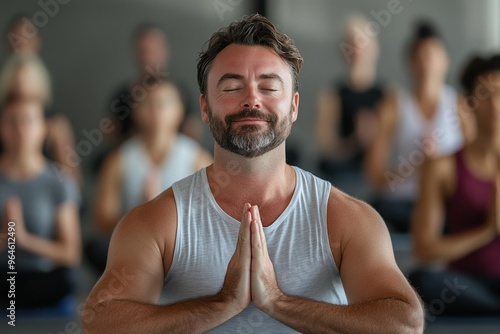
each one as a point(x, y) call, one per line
point(251, 244)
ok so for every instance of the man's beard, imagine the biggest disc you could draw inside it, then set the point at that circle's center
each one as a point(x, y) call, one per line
point(249, 140)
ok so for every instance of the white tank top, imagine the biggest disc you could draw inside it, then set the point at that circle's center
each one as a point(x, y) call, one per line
point(135, 164)
point(411, 129)
point(297, 241)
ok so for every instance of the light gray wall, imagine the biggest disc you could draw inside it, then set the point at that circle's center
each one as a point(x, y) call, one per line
point(87, 44)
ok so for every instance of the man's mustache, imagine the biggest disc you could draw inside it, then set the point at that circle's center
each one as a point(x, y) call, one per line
point(250, 113)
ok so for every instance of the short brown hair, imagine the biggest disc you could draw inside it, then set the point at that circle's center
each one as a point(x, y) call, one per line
point(251, 30)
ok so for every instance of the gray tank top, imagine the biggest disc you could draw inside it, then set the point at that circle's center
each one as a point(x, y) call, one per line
point(297, 241)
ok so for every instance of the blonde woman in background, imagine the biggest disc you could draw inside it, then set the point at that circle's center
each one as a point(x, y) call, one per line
point(38, 208)
point(25, 76)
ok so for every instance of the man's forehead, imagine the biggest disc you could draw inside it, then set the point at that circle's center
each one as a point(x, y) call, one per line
point(239, 58)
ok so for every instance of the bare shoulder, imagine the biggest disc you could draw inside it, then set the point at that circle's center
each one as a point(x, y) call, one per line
point(154, 221)
point(441, 172)
point(154, 216)
point(350, 218)
point(347, 212)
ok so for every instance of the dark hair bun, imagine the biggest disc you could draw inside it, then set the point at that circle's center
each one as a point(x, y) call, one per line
point(425, 30)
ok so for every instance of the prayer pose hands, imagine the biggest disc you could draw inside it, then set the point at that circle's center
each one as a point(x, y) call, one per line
point(250, 274)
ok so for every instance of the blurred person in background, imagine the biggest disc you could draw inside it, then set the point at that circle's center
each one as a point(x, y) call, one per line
point(346, 119)
point(144, 165)
point(25, 74)
point(413, 125)
point(457, 216)
point(42, 206)
point(23, 36)
point(152, 54)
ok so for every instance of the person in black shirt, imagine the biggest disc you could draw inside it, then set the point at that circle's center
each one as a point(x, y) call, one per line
point(346, 121)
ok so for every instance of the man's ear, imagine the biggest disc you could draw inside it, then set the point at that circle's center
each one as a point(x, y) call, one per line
point(204, 108)
point(295, 106)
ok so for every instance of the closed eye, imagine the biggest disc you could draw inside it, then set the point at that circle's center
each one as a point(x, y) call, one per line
point(269, 89)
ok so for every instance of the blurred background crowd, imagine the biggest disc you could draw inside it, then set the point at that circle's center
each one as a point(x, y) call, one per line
point(400, 106)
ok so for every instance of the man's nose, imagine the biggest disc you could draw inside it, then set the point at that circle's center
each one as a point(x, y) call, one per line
point(251, 98)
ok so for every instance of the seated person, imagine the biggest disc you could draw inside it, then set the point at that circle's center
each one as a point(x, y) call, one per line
point(152, 53)
point(413, 125)
point(249, 243)
point(25, 75)
point(346, 120)
point(41, 204)
point(145, 165)
point(464, 188)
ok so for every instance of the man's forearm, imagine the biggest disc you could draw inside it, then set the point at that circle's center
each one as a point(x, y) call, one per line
point(122, 316)
point(377, 316)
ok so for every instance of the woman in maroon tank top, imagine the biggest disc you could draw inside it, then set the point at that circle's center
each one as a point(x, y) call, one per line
point(463, 190)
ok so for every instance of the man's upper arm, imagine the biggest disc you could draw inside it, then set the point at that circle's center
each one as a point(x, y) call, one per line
point(140, 252)
point(364, 252)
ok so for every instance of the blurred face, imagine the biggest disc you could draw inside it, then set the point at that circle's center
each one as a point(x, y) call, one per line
point(365, 48)
point(429, 60)
point(250, 104)
point(487, 94)
point(152, 49)
point(24, 42)
point(22, 127)
point(161, 110)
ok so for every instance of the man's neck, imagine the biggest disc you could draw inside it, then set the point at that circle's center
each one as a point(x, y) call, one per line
point(254, 180)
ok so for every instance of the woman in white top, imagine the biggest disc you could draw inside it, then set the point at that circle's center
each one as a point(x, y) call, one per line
point(145, 165)
point(413, 125)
